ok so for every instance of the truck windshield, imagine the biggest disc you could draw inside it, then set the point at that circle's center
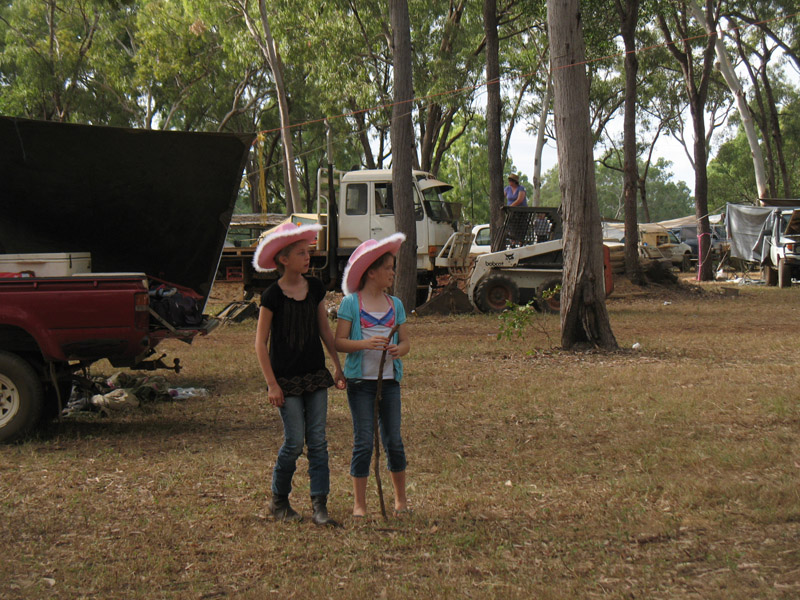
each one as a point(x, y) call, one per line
point(438, 209)
point(384, 201)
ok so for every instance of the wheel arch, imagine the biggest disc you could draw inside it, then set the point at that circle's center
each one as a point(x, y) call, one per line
point(19, 341)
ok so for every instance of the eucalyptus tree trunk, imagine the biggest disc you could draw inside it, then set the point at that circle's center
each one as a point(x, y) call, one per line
point(536, 196)
point(402, 134)
point(777, 135)
point(760, 115)
point(584, 317)
point(725, 67)
point(270, 51)
point(493, 145)
point(696, 85)
point(628, 11)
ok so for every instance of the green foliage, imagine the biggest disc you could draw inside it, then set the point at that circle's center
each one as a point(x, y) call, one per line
point(516, 320)
point(47, 60)
point(466, 167)
point(730, 173)
point(666, 198)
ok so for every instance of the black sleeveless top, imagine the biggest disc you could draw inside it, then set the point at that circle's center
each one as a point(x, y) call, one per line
point(295, 348)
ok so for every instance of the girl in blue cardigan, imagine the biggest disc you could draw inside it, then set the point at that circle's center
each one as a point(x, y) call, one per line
point(366, 316)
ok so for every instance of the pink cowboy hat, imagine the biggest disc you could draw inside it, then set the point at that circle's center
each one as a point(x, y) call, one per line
point(366, 254)
point(277, 239)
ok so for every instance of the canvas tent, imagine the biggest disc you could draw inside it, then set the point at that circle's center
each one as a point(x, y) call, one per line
point(750, 226)
point(690, 220)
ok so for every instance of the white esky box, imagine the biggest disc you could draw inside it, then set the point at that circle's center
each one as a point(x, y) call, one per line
point(56, 264)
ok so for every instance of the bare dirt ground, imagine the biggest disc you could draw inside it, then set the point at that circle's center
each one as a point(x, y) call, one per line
point(670, 471)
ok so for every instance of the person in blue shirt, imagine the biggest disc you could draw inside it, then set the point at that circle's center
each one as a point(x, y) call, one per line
point(367, 316)
point(515, 193)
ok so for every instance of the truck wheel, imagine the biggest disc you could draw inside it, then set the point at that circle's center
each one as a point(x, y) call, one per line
point(548, 297)
point(784, 274)
point(769, 275)
point(494, 291)
point(21, 397)
point(686, 263)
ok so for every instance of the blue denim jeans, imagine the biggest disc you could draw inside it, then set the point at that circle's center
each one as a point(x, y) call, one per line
point(361, 398)
point(304, 419)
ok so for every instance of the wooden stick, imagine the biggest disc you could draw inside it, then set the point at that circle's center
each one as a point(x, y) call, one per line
point(378, 392)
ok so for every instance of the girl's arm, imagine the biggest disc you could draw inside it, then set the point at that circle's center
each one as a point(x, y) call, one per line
point(262, 352)
point(403, 343)
point(327, 338)
point(346, 345)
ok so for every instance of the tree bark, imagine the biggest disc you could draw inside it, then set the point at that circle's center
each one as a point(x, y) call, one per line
point(436, 118)
point(628, 11)
point(584, 317)
point(775, 124)
point(402, 134)
point(493, 134)
point(536, 196)
point(697, 94)
point(725, 67)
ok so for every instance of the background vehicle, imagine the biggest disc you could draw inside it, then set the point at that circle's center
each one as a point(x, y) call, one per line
point(655, 244)
point(687, 234)
point(681, 253)
point(767, 236)
point(365, 210)
point(531, 266)
point(481, 240)
point(150, 210)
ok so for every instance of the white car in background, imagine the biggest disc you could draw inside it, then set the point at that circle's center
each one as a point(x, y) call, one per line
point(482, 242)
point(655, 243)
point(681, 253)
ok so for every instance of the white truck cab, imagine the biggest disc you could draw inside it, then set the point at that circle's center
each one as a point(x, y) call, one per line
point(366, 211)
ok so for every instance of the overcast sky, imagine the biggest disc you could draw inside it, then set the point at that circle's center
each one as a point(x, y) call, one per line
point(523, 145)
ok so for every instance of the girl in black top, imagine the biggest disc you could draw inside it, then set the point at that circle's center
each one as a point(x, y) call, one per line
point(292, 325)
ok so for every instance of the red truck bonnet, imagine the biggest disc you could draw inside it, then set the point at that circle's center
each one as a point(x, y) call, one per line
point(140, 201)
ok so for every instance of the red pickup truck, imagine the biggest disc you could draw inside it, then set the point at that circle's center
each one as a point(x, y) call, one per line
point(151, 208)
point(50, 325)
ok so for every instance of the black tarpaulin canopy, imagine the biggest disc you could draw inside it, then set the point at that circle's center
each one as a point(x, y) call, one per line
point(154, 202)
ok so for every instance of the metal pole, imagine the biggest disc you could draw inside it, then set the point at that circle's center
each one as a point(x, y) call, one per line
point(333, 216)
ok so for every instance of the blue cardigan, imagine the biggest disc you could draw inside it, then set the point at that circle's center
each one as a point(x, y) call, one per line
point(349, 311)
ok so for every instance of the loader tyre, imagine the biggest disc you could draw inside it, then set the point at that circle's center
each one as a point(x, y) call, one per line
point(769, 274)
point(784, 274)
point(548, 297)
point(494, 291)
point(21, 397)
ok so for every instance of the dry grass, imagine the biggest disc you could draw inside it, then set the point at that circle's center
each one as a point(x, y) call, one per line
point(671, 472)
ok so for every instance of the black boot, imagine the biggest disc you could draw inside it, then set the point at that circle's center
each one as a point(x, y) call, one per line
point(320, 516)
point(280, 508)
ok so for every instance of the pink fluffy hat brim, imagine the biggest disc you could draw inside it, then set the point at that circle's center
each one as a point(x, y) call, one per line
point(366, 254)
point(277, 239)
